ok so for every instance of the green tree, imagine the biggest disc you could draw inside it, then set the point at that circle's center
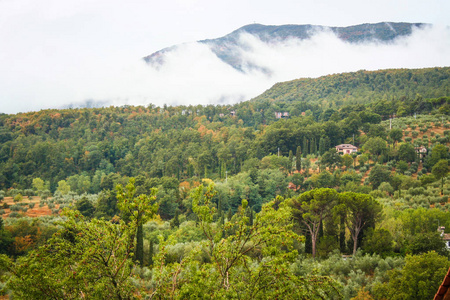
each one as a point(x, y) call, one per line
point(427, 241)
point(378, 241)
point(89, 259)
point(437, 153)
point(231, 270)
point(311, 208)
point(63, 187)
point(85, 207)
point(419, 279)
point(18, 197)
point(331, 158)
point(361, 210)
point(347, 161)
point(137, 210)
point(377, 175)
point(406, 152)
point(375, 146)
point(440, 171)
point(38, 184)
point(396, 135)
point(401, 166)
point(6, 240)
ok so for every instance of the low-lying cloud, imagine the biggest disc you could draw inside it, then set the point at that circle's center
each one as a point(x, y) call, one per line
point(193, 74)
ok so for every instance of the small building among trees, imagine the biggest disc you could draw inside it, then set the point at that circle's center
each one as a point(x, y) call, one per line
point(346, 149)
point(445, 236)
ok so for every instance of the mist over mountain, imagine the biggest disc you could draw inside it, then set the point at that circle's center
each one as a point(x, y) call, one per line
point(230, 47)
point(226, 70)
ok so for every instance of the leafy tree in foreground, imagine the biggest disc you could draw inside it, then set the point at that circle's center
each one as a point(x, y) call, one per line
point(419, 279)
point(244, 260)
point(83, 260)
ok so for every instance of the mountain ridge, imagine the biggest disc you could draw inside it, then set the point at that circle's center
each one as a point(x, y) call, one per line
point(227, 47)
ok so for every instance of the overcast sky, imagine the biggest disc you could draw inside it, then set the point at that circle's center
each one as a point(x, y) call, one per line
point(55, 52)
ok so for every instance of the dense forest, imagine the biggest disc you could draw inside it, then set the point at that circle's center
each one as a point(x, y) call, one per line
point(249, 201)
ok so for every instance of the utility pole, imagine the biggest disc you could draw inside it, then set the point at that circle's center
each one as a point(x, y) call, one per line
point(226, 176)
point(278, 151)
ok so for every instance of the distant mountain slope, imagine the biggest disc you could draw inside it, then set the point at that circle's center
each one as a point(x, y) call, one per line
point(362, 86)
point(227, 47)
point(385, 92)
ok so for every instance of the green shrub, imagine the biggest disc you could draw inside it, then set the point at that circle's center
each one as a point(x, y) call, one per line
point(18, 197)
point(15, 207)
point(414, 134)
point(14, 214)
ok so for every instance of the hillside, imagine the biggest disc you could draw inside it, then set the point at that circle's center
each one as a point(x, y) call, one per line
point(234, 174)
point(228, 47)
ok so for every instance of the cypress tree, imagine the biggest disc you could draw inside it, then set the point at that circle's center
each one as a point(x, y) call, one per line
point(305, 147)
point(229, 215)
point(139, 256)
point(342, 234)
point(176, 220)
point(312, 147)
point(298, 158)
point(321, 145)
point(291, 159)
point(150, 253)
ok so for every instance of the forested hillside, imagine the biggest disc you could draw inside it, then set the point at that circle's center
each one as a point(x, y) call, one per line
point(242, 200)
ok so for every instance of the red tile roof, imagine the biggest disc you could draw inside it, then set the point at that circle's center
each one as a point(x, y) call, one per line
point(443, 293)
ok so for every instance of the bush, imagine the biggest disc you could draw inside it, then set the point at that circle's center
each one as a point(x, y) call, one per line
point(31, 205)
point(18, 197)
point(408, 139)
point(15, 207)
point(14, 214)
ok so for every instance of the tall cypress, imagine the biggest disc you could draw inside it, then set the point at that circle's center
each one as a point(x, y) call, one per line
point(321, 146)
point(139, 256)
point(150, 253)
point(298, 158)
point(312, 145)
point(342, 234)
point(305, 147)
point(291, 159)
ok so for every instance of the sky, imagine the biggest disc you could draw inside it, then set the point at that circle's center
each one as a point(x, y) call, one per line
point(54, 53)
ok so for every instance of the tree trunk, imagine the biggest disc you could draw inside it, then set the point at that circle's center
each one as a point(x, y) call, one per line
point(355, 244)
point(139, 256)
point(313, 241)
